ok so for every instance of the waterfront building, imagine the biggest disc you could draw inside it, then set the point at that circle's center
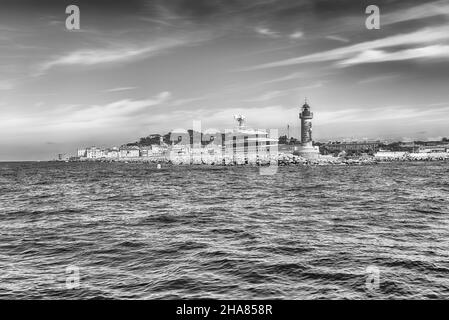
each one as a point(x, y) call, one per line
point(247, 145)
point(129, 152)
point(112, 153)
point(180, 136)
point(81, 153)
point(159, 149)
point(145, 151)
point(207, 147)
point(212, 146)
point(430, 149)
point(212, 153)
point(94, 153)
point(180, 149)
point(159, 152)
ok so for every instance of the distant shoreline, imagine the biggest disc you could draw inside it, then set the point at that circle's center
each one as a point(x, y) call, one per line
point(281, 163)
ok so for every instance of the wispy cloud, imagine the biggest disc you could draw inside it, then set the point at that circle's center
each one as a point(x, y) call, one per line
point(288, 77)
point(422, 11)
point(426, 35)
point(269, 116)
point(102, 56)
point(374, 56)
point(120, 110)
point(123, 53)
point(392, 113)
point(186, 101)
point(337, 38)
point(266, 96)
point(69, 117)
point(120, 89)
point(156, 21)
point(296, 35)
point(267, 32)
point(270, 33)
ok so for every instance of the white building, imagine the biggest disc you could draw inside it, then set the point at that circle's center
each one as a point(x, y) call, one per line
point(81, 153)
point(94, 153)
point(112, 153)
point(180, 149)
point(246, 145)
point(129, 152)
point(145, 151)
point(434, 149)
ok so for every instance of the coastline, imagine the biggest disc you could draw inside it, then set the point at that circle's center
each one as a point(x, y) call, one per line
point(280, 160)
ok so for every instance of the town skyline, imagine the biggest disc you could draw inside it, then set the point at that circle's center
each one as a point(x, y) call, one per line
point(147, 67)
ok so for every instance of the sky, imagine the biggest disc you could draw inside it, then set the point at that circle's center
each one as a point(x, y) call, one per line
point(140, 67)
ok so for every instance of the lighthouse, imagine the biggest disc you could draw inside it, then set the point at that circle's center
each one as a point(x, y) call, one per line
point(306, 125)
point(306, 149)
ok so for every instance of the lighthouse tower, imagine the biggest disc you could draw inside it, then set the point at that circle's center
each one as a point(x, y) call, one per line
point(306, 149)
point(306, 125)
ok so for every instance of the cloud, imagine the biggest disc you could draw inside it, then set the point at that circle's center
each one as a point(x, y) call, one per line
point(72, 117)
point(123, 53)
point(291, 76)
point(383, 122)
point(118, 110)
point(186, 101)
point(375, 56)
point(266, 96)
point(422, 11)
point(296, 35)
point(395, 113)
point(156, 21)
point(270, 95)
point(102, 56)
point(271, 116)
point(267, 32)
point(418, 37)
point(337, 38)
point(120, 89)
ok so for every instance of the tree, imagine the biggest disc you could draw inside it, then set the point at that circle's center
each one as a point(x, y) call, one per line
point(283, 139)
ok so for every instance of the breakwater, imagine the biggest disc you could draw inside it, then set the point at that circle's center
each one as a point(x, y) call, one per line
point(280, 159)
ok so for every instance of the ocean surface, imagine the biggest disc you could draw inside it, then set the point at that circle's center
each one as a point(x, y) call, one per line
point(131, 231)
